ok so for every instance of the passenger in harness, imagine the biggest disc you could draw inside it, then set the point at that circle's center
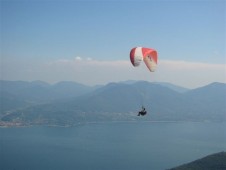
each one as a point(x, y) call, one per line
point(142, 112)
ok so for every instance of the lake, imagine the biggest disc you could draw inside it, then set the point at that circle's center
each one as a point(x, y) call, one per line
point(110, 146)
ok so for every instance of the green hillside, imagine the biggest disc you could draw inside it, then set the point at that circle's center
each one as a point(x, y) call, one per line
point(212, 162)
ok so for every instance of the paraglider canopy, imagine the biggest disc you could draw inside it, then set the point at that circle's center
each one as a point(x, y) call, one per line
point(148, 55)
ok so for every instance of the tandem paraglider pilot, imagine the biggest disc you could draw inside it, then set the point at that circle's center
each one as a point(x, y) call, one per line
point(142, 112)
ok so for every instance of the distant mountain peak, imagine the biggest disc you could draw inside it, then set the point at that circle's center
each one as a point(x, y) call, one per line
point(40, 83)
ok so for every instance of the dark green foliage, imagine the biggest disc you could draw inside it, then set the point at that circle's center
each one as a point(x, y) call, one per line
point(212, 162)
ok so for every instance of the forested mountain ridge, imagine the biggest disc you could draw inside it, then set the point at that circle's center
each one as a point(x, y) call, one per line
point(68, 103)
point(215, 161)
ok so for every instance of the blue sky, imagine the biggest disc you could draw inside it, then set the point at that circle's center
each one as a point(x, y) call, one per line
point(89, 41)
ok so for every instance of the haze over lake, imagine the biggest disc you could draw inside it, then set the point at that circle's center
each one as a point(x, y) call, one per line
point(110, 146)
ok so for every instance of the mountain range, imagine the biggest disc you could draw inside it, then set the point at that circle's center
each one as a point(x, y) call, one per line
point(69, 103)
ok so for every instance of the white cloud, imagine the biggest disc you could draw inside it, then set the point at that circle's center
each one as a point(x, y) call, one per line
point(184, 65)
point(89, 59)
point(191, 74)
point(91, 72)
point(78, 58)
point(187, 74)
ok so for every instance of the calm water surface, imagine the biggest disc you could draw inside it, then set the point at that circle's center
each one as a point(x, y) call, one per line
point(109, 146)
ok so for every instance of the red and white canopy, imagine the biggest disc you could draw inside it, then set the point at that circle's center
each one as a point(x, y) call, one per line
point(148, 55)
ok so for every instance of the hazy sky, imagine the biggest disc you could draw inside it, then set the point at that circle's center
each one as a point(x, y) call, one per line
point(89, 41)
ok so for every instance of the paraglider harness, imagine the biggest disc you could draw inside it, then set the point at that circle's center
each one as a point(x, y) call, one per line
point(142, 112)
